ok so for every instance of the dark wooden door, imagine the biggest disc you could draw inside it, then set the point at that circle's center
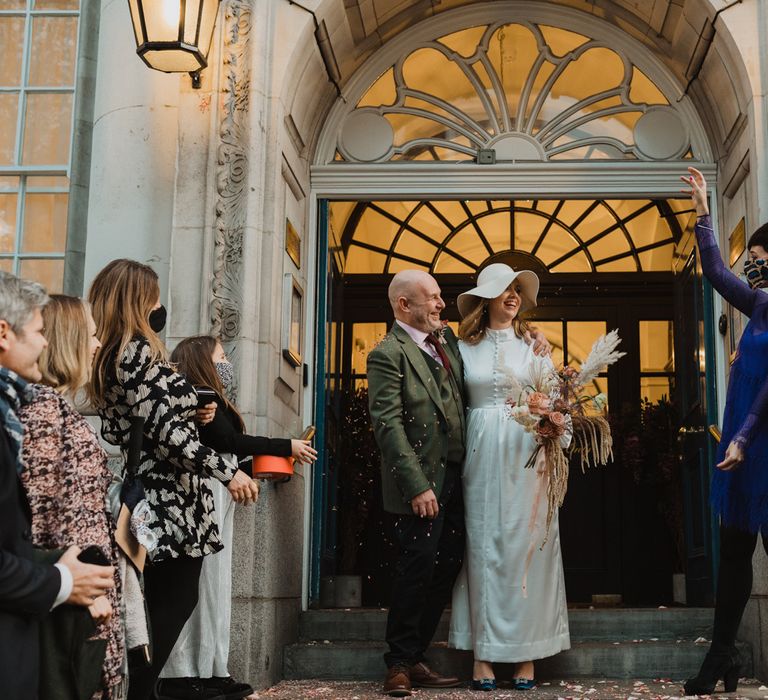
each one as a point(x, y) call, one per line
point(693, 436)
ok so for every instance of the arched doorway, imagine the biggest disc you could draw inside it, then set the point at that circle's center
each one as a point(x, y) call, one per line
point(502, 130)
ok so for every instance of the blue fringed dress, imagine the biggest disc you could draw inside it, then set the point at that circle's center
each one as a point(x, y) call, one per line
point(740, 496)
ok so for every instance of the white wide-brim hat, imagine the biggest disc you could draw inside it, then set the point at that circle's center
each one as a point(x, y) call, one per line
point(493, 280)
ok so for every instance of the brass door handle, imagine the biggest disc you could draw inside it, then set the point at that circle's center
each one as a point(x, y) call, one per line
point(691, 431)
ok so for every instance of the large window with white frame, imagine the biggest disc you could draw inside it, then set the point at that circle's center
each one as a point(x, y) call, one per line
point(38, 56)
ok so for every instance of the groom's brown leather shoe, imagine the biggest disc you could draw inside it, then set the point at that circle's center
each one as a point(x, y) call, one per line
point(424, 677)
point(397, 684)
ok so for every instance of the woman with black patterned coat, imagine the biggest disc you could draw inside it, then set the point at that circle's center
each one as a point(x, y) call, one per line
point(133, 378)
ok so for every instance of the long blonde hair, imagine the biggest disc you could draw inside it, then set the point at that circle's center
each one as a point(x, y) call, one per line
point(66, 363)
point(122, 297)
point(474, 325)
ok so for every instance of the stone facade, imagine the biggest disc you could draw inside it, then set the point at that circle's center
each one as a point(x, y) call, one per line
point(199, 184)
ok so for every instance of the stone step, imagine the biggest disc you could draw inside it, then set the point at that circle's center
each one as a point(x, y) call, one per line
point(362, 660)
point(615, 624)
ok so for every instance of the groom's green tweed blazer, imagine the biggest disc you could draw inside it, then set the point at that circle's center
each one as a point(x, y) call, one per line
point(408, 417)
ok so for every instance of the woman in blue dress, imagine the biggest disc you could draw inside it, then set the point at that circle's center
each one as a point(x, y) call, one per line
point(739, 490)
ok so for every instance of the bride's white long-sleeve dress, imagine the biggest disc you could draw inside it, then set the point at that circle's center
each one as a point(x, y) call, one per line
point(491, 613)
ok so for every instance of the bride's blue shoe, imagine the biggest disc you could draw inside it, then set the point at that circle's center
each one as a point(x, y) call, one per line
point(524, 684)
point(484, 684)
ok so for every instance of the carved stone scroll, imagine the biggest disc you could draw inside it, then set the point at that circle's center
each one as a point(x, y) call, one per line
point(231, 179)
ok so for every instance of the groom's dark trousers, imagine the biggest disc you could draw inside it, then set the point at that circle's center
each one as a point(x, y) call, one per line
point(430, 559)
point(417, 413)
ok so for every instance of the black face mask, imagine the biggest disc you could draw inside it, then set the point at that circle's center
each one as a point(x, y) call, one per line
point(157, 318)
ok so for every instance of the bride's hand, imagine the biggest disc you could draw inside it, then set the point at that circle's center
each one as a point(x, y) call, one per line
point(698, 192)
point(541, 346)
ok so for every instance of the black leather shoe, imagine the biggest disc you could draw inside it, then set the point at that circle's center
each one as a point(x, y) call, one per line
point(716, 665)
point(228, 687)
point(185, 689)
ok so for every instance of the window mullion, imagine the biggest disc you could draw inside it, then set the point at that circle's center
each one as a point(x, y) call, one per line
point(20, 211)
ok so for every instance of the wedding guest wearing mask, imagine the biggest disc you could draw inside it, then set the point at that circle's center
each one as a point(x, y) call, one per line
point(739, 491)
point(132, 377)
point(66, 478)
point(201, 653)
point(28, 590)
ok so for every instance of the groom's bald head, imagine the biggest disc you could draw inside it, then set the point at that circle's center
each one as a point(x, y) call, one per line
point(415, 299)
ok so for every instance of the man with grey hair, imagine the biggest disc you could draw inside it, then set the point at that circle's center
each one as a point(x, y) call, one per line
point(28, 590)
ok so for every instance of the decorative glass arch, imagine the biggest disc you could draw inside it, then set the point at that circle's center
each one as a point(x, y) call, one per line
point(552, 235)
point(527, 91)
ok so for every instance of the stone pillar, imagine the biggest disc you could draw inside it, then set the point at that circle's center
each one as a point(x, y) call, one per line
point(268, 542)
point(133, 153)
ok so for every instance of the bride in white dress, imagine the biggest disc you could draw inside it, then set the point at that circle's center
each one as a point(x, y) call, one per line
point(494, 612)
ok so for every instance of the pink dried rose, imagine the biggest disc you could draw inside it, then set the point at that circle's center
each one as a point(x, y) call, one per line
point(568, 372)
point(538, 403)
point(557, 418)
point(561, 405)
point(548, 430)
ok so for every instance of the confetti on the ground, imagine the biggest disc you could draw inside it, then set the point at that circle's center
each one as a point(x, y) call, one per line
point(576, 689)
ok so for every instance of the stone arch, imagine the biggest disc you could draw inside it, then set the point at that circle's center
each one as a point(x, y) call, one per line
point(671, 35)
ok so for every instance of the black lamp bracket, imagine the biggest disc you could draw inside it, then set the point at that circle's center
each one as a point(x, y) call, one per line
point(195, 75)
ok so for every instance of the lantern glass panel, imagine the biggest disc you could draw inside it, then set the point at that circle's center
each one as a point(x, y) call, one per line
point(191, 13)
point(172, 61)
point(210, 10)
point(133, 6)
point(162, 19)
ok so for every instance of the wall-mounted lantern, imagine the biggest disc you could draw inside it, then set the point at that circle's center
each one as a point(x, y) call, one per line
point(174, 36)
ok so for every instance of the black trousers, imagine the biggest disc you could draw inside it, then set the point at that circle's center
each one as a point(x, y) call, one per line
point(431, 553)
point(734, 584)
point(171, 592)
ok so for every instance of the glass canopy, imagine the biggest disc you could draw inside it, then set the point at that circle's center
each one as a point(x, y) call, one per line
point(554, 235)
point(530, 91)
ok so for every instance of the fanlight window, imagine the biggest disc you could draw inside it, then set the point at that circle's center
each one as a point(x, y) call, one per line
point(530, 92)
point(553, 235)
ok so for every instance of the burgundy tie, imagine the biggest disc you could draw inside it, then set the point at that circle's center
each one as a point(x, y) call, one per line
point(438, 346)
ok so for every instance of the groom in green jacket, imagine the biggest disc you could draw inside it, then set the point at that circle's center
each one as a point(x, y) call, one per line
point(416, 387)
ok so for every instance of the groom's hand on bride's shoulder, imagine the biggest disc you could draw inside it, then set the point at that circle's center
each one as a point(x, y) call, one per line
point(541, 346)
point(425, 504)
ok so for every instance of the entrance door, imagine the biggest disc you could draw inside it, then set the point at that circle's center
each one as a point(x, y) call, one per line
point(602, 265)
point(693, 436)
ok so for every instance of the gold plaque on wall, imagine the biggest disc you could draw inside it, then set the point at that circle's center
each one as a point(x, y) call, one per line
point(737, 242)
point(292, 243)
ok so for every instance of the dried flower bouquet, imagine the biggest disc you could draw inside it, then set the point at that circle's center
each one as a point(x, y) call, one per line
point(553, 408)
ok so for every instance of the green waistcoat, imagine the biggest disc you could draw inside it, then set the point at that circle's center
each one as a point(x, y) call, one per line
point(453, 406)
point(417, 413)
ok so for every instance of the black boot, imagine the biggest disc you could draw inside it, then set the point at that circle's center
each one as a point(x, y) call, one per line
point(185, 689)
point(228, 687)
point(717, 665)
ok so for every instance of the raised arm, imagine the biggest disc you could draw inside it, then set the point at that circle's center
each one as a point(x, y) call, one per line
point(385, 401)
point(147, 385)
point(730, 287)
